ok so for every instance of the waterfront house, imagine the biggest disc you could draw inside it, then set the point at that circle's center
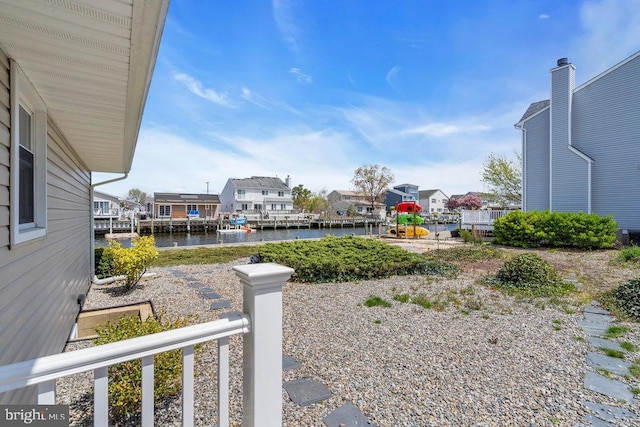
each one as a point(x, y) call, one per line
point(401, 193)
point(343, 202)
point(185, 205)
point(73, 83)
point(261, 195)
point(433, 201)
point(580, 147)
point(105, 206)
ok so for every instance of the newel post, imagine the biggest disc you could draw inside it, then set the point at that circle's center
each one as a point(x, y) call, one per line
point(262, 346)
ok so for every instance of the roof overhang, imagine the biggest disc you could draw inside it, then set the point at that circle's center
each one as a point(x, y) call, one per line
point(91, 62)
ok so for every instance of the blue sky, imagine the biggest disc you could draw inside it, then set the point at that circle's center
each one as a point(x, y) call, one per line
point(315, 89)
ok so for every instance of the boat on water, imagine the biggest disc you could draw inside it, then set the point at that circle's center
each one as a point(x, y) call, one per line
point(238, 220)
point(236, 229)
point(408, 207)
point(407, 231)
point(409, 219)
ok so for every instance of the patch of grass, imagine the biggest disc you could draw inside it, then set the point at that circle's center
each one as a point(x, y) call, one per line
point(605, 372)
point(466, 254)
point(376, 301)
point(612, 353)
point(616, 331)
point(628, 346)
point(579, 339)
point(557, 324)
point(635, 370)
point(377, 321)
point(635, 390)
point(171, 257)
point(423, 301)
point(404, 298)
point(629, 256)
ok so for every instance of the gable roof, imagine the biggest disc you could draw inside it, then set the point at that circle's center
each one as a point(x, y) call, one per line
point(429, 193)
point(261, 182)
point(604, 73)
point(185, 198)
point(91, 63)
point(533, 110)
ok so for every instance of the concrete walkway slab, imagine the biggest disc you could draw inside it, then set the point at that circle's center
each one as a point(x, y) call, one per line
point(211, 295)
point(593, 328)
point(612, 364)
point(605, 343)
point(610, 413)
point(348, 416)
point(597, 318)
point(219, 304)
point(612, 388)
point(306, 391)
point(289, 363)
point(595, 309)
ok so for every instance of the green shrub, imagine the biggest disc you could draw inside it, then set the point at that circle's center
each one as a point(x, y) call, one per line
point(629, 255)
point(349, 258)
point(131, 262)
point(125, 379)
point(555, 229)
point(103, 263)
point(627, 297)
point(468, 237)
point(531, 275)
point(376, 301)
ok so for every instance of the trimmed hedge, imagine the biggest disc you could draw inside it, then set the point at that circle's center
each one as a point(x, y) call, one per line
point(348, 258)
point(555, 229)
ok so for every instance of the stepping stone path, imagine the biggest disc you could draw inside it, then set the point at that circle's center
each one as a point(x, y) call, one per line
point(304, 391)
point(597, 321)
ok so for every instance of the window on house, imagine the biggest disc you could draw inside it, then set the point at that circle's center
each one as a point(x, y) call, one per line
point(101, 208)
point(241, 193)
point(28, 160)
point(245, 206)
point(164, 211)
point(283, 207)
point(265, 192)
point(192, 208)
point(280, 193)
point(433, 200)
point(273, 206)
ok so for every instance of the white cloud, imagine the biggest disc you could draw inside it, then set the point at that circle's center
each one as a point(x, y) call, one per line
point(391, 75)
point(209, 94)
point(611, 34)
point(300, 76)
point(543, 16)
point(284, 18)
point(445, 129)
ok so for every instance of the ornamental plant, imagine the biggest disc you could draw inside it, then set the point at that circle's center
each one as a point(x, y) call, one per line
point(627, 297)
point(131, 262)
point(125, 379)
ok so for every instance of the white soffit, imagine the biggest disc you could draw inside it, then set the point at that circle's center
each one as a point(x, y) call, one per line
point(91, 62)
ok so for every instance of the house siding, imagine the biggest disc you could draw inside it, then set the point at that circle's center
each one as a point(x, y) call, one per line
point(40, 280)
point(606, 115)
point(536, 168)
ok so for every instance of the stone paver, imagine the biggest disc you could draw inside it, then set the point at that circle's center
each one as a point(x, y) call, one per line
point(348, 416)
point(211, 295)
point(593, 328)
point(611, 414)
point(598, 342)
point(611, 364)
point(289, 363)
point(306, 391)
point(219, 304)
point(612, 388)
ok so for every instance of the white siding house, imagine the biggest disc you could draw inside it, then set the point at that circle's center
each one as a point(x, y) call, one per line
point(73, 82)
point(433, 201)
point(580, 147)
point(341, 201)
point(257, 195)
point(105, 205)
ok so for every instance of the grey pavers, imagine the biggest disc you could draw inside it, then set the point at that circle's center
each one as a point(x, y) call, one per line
point(597, 318)
point(219, 304)
point(306, 391)
point(595, 422)
point(610, 413)
point(231, 315)
point(177, 272)
point(190, 279)
point(206, 289)
point(593, 328)
point(211, 295)
point(612, 364)
point(289, 363)
point(604, 343)
point(348, 416)
point(195, 285)
point(595, 309)
point(612, 388)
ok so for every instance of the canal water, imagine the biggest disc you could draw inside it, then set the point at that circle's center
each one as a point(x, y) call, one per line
point(165, 240)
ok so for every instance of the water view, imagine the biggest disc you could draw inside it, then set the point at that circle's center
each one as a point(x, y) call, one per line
point(195, 239)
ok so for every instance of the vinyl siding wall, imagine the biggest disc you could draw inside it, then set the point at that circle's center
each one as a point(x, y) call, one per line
point(536, 168)
point(606, 127)
point(569, 172)
point(40, 280)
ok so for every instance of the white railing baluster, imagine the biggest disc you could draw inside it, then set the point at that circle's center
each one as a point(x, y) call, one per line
point(223, 382)
point(47, 393)
point(187, 386)
point(147, 391)
point(101, 397)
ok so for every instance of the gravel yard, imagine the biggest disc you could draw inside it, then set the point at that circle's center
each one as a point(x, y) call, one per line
point(476, 358)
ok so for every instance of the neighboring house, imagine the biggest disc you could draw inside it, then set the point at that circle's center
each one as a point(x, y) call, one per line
point(257, 195)
point(580, 147)
point(73, 83)
point(343, 201)
point(182, 205)
point(105, 205)
point(433, 201)
point(401, 193)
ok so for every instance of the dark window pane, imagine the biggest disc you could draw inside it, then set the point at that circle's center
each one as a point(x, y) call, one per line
point(26, 187)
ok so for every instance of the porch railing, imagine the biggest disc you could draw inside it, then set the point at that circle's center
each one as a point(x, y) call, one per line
point(260, 324)
point(482, 217)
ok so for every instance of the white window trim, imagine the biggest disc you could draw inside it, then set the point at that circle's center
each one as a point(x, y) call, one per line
point(23, 93)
